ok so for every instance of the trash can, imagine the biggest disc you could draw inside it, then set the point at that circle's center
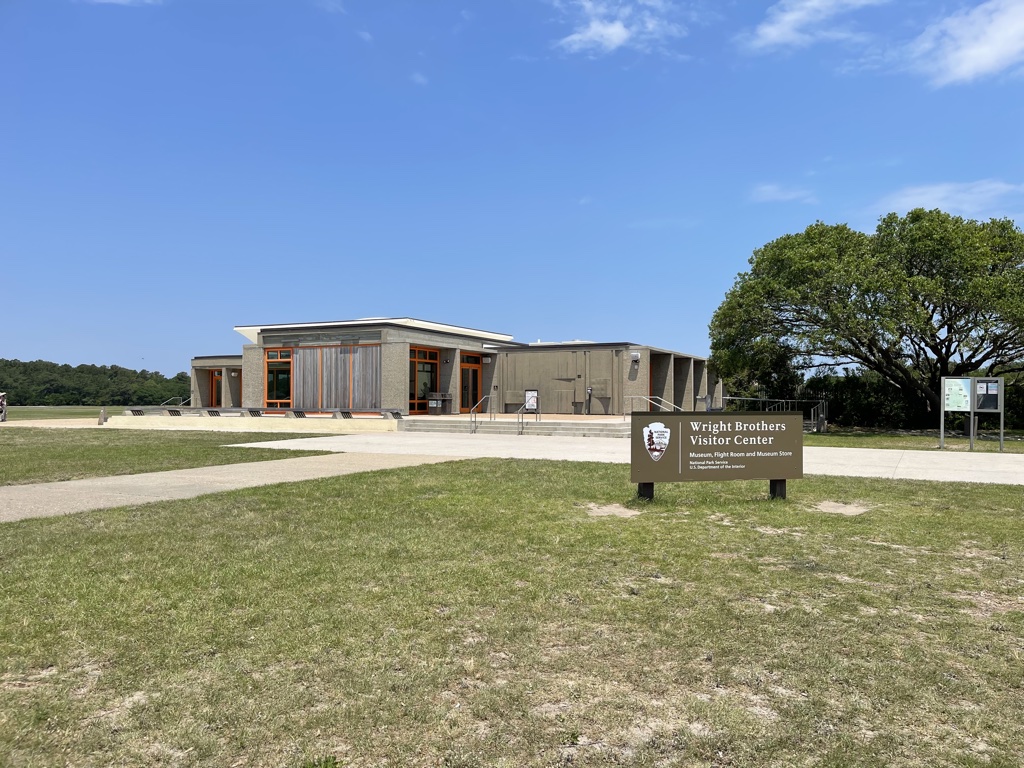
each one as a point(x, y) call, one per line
point(439, 403)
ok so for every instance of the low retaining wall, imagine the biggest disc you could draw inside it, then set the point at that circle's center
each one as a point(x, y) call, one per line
point(319, 426)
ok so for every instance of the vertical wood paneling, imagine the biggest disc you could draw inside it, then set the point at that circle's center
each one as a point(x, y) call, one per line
point(306, 378)
point(334, 373)
point(366, 377)
point(344, 377)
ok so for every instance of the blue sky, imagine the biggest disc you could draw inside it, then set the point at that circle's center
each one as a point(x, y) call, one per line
point(552, 169)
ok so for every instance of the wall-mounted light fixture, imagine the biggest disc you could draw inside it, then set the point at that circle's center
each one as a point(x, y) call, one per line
point(487, 360)
point(234, 374)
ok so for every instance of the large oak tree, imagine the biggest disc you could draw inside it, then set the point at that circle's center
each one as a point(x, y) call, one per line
point(927, 295)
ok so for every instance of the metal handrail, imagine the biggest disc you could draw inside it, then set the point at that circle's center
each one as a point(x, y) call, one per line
point(182, 401)
point(473, 414)
point(818, 411)
point(521, 415)
point(819, 416)
point(660, 402)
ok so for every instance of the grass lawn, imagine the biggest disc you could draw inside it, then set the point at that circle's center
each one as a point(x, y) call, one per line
point(479, 614)
point(30, 455)
point(26, 412)
point(841, 438)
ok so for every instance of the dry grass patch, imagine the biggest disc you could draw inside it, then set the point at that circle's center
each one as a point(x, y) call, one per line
point(41, 455)
point(455, 616)
point(841, 508)
point(611, 510)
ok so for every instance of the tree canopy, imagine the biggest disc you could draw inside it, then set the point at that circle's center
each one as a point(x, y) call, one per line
point(43, 383)
point(927, 295)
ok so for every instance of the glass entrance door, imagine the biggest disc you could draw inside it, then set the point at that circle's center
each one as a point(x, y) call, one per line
point(470, 374)
point(216, 387)
point(423, 380)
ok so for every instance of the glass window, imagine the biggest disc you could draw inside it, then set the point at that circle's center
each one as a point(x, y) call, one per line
point(423, 377)
point(279, 378)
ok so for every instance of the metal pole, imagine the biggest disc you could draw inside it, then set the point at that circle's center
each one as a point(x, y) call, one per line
point(777, 489)
point(645, 491)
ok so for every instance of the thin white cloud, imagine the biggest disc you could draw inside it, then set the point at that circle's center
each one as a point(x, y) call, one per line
point(799, 23)
point(982, 199)
point(971, 43)
point(331, 6)
point(603, 26)
point(365, 36)
point(776, 193)
point(419, 78)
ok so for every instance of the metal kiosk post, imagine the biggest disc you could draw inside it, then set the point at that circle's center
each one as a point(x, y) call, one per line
point(988, 398)
point(972, 396)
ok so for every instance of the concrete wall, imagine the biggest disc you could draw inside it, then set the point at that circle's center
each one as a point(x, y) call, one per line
point(556, 374)
point(252, 376)
point(605, 381)
point(683, 383)
point(636, 379)
point(490, 381)
point(563, 376)
point(700, 379)
point(448, 376)
point(394, 375)
point(231, 396)
point(662, 389)
point(307, 426)
point(200, 389)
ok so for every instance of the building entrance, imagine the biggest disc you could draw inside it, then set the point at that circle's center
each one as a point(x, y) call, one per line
point(423, 364)
point(470, 375)
point(216, 387)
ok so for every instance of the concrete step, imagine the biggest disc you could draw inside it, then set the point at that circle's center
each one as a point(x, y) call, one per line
point(506, 427)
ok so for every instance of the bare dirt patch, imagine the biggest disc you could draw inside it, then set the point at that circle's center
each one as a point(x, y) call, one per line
point(28, 681)
point(611, 510)
point(984, 605)
point(839, 508)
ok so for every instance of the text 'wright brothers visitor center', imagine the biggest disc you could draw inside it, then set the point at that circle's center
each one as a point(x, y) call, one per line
point(407, 365)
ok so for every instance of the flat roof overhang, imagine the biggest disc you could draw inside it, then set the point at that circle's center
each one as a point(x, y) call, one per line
point(252, 332)
point(217, 361)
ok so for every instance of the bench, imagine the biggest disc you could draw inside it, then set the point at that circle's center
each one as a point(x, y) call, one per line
point(291, 413)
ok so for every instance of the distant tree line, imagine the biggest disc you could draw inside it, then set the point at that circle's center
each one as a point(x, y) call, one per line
point(861, 398)
point(866, 399)
point(43, 383)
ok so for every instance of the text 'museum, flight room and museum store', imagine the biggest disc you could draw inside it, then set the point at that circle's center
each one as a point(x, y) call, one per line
point(409, 365)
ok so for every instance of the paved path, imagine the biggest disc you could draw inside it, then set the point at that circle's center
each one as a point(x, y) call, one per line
point(18, 502)
point(361, 453)
point(954, 466)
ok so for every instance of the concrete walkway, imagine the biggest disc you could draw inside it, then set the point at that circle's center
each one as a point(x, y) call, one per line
point(18, 502)
point(362, 453)
point(954, 466)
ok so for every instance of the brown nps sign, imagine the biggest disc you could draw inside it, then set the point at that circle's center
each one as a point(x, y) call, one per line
point(680, 447)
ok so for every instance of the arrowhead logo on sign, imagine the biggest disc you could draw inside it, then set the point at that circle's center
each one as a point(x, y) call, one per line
point(656, 437)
